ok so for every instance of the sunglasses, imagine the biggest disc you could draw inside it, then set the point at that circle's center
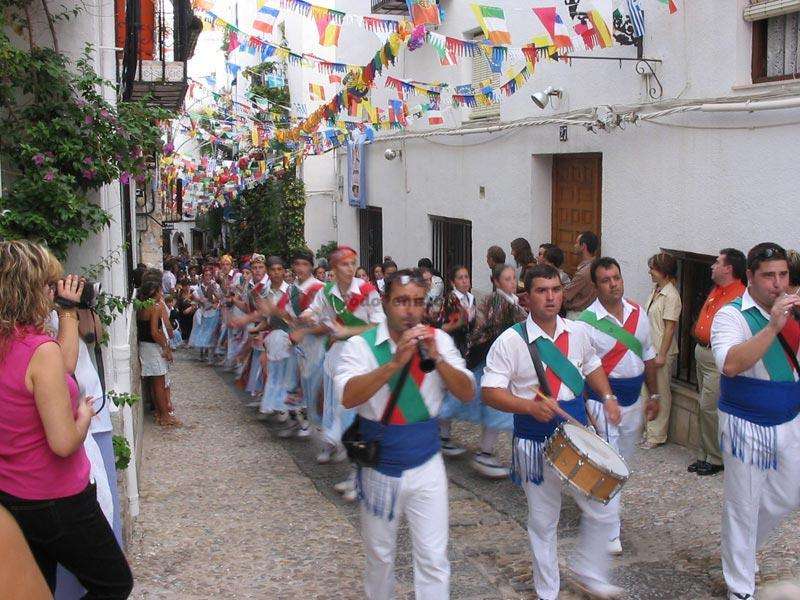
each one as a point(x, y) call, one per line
point(770, 253)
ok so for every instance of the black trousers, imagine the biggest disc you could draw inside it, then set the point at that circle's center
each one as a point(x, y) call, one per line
point(74, 532)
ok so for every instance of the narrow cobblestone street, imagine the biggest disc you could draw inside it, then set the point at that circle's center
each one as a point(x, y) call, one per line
point(228, 510)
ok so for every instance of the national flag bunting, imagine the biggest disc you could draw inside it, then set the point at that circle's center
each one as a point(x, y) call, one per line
point(604, 38)
point(672, 7)
point(317, 91)
point(328, 31)
point(492, 20)
point(424, 12)
point(435, 117)
point(265, 19)
point(334, 78)
point(637, 17)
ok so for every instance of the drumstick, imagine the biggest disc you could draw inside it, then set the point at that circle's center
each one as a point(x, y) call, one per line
point(558, 410)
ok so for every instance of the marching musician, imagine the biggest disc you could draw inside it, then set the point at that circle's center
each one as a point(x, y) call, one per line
point(619, 332)
point(510, 384)
point(410, 477)
point(755, 342)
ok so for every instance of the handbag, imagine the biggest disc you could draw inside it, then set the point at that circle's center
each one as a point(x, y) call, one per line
point(367, 453)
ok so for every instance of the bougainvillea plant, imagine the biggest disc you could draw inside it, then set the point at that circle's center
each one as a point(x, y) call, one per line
point(61, 139)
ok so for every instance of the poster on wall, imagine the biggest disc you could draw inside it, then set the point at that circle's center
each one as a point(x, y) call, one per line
point(356, 174)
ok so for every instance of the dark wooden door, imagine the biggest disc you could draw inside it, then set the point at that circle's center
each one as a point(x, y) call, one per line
point(577, 188)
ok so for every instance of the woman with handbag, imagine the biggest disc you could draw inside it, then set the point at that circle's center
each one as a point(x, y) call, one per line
point(381, 375)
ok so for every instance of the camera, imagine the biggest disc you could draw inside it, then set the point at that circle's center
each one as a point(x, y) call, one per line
point(88, 300)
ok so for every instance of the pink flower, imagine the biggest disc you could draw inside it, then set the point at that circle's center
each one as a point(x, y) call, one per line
point(87, 161)
point(105, 114)
point(49, 176)
point(88, 173)
point(124, 178)
point(38, 159)
point(169, 148)
point(88, 119)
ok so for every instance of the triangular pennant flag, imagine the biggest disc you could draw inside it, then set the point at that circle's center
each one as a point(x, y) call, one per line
point(546, 33)
point(424, 12)
point(265, 19)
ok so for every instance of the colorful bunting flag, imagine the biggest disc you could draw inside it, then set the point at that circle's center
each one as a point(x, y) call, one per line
point(317, 91)
point(672, 7)
point(334, 78)
point(492, 20)
point(561, 37)
point(424, 12)
point(265, 19)
point(604, 38)
point(545, 35)
point(328, 30)
point(435, 118)
point(637, 17)
point(203, 4)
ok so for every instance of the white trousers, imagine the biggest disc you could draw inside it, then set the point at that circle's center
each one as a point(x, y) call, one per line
point(591, 559)
point(422, 498)
point(622, 437)
point(755, 501)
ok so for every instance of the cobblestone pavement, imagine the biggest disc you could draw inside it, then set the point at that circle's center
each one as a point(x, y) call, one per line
point(228, 510)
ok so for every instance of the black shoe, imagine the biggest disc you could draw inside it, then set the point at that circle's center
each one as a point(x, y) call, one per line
point(692, 468)
point(709, 469)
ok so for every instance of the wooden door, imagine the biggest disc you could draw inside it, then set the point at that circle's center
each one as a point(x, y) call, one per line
point(577, 181)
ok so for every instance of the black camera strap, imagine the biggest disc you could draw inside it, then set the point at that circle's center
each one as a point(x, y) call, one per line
point(98, 359)
point(401, 381)
point(791, 354)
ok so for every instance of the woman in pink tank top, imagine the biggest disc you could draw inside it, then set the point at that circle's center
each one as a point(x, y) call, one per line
point(44, 472)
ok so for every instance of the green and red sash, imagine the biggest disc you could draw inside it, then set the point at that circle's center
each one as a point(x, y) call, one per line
point(559, 370)
point(777, 362)
point(625, 336)
point(410, 407)
point(344, 314)
point(296, 300)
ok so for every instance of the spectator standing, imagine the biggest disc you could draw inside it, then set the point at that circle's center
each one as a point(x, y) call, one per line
point(550, 254)
point(168, 279)
point(663, 310)
point(580, 292)
point(495, 255)
point(44, 471)
point(729, 273)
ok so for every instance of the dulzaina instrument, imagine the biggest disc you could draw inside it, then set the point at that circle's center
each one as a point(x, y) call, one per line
point(583, 459)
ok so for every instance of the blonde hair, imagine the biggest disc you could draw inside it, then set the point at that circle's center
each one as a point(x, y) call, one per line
point(26, 268)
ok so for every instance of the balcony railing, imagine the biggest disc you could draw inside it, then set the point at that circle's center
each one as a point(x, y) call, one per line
point(389, 7)
point(158, 38)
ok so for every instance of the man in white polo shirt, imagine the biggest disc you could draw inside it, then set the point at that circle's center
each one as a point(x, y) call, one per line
point(620, 334)
point(409, 478)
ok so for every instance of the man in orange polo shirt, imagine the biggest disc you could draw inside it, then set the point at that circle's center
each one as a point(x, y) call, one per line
point(728, 274)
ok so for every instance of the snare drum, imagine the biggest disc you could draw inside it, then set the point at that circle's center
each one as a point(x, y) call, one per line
point(586, 461)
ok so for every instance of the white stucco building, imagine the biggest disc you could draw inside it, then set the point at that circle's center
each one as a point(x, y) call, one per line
point(722, 173)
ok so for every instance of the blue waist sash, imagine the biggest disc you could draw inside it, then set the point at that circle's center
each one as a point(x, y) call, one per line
point(528, 428)
point(765, 403)
point(402, 446)
point(626, 389)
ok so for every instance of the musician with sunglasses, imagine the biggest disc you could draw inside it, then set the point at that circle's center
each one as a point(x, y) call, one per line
point(409, 479)
point(755, 341)
point(511, 384)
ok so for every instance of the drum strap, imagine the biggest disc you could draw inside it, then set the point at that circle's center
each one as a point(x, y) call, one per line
point(544, 385)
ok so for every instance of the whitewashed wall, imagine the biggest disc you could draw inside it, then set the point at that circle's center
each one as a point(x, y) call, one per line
point(688, 186)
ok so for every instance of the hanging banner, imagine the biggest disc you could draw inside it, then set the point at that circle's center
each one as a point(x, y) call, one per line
point(356, 174)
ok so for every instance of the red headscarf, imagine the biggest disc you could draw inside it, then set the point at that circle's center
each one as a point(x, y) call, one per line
point(341, 253)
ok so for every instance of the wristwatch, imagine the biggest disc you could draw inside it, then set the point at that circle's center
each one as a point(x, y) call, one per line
point(656, 397)
point(609, 397)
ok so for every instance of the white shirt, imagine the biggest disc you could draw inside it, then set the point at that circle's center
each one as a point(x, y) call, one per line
point(370, 310)
point(357, 358)
point(381, 285)
point(312, 346)
point(729, 329)
point(630, 365)
point(509, 365)
point(437, 286)
point(277, 342)
point(168, 282)
point(88, 381)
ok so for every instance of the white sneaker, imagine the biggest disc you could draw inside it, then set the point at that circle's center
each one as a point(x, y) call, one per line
point(451, 449)
point(324, 457)
point(350, 495)
point(288, 432)
point(597, 589)
point(486, 464)
point(615, 547)
point(304, 431)
point(735, 596)
point(345, 485)
point(340, 455)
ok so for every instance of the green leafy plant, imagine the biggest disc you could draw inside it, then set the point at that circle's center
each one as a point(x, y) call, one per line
point(122, 452)
point(121, 399)
point(326, 249)
point(61, 139)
